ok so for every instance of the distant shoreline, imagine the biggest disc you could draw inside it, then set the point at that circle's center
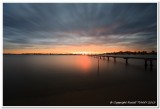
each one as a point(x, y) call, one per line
point(43, 54)
point(112, 53)
point(79, 54)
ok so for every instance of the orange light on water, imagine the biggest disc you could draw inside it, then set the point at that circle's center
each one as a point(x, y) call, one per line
point(84, 63)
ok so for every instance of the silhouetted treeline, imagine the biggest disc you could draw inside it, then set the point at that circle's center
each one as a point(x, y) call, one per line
point(133, 53)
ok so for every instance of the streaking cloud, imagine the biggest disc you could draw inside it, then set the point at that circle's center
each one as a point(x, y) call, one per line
point(53, 25)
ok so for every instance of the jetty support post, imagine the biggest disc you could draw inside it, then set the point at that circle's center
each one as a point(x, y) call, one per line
point(126, 61)
point(151, 64)
point(145, 64)
point(114, 59)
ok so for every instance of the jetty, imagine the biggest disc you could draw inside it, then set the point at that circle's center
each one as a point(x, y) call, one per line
point(146, 58)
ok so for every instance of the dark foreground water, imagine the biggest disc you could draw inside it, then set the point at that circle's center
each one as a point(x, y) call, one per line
point(66, 80)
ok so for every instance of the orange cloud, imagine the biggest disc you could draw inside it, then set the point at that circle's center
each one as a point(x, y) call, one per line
point(72, 49)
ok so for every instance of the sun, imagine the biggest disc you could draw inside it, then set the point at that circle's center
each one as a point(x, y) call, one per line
point(83, 53)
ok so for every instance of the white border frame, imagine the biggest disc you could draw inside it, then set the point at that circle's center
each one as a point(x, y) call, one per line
point(80, 1)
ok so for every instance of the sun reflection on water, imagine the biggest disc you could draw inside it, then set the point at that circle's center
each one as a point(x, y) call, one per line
point(84, 63)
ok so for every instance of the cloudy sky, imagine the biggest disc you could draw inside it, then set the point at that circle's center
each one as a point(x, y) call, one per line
point(73, 28)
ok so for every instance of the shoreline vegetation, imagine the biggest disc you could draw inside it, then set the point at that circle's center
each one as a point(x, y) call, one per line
point(111, 53)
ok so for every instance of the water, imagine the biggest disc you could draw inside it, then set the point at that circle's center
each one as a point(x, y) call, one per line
point(75, 80)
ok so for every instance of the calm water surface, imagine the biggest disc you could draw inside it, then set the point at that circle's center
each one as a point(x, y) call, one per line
point(66, 80)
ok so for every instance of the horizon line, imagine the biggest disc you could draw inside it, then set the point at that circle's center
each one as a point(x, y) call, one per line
point(85, 53)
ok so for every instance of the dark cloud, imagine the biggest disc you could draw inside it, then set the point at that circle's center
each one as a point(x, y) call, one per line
point(32, 25)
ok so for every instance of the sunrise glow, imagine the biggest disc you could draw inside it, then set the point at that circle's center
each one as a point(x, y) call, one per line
point(73, 28)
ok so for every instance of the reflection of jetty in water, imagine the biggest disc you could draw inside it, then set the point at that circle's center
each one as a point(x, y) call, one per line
point(98, 74)
point(146, 58)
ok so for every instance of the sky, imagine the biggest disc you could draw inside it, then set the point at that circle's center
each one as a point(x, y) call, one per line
point(79, 27)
